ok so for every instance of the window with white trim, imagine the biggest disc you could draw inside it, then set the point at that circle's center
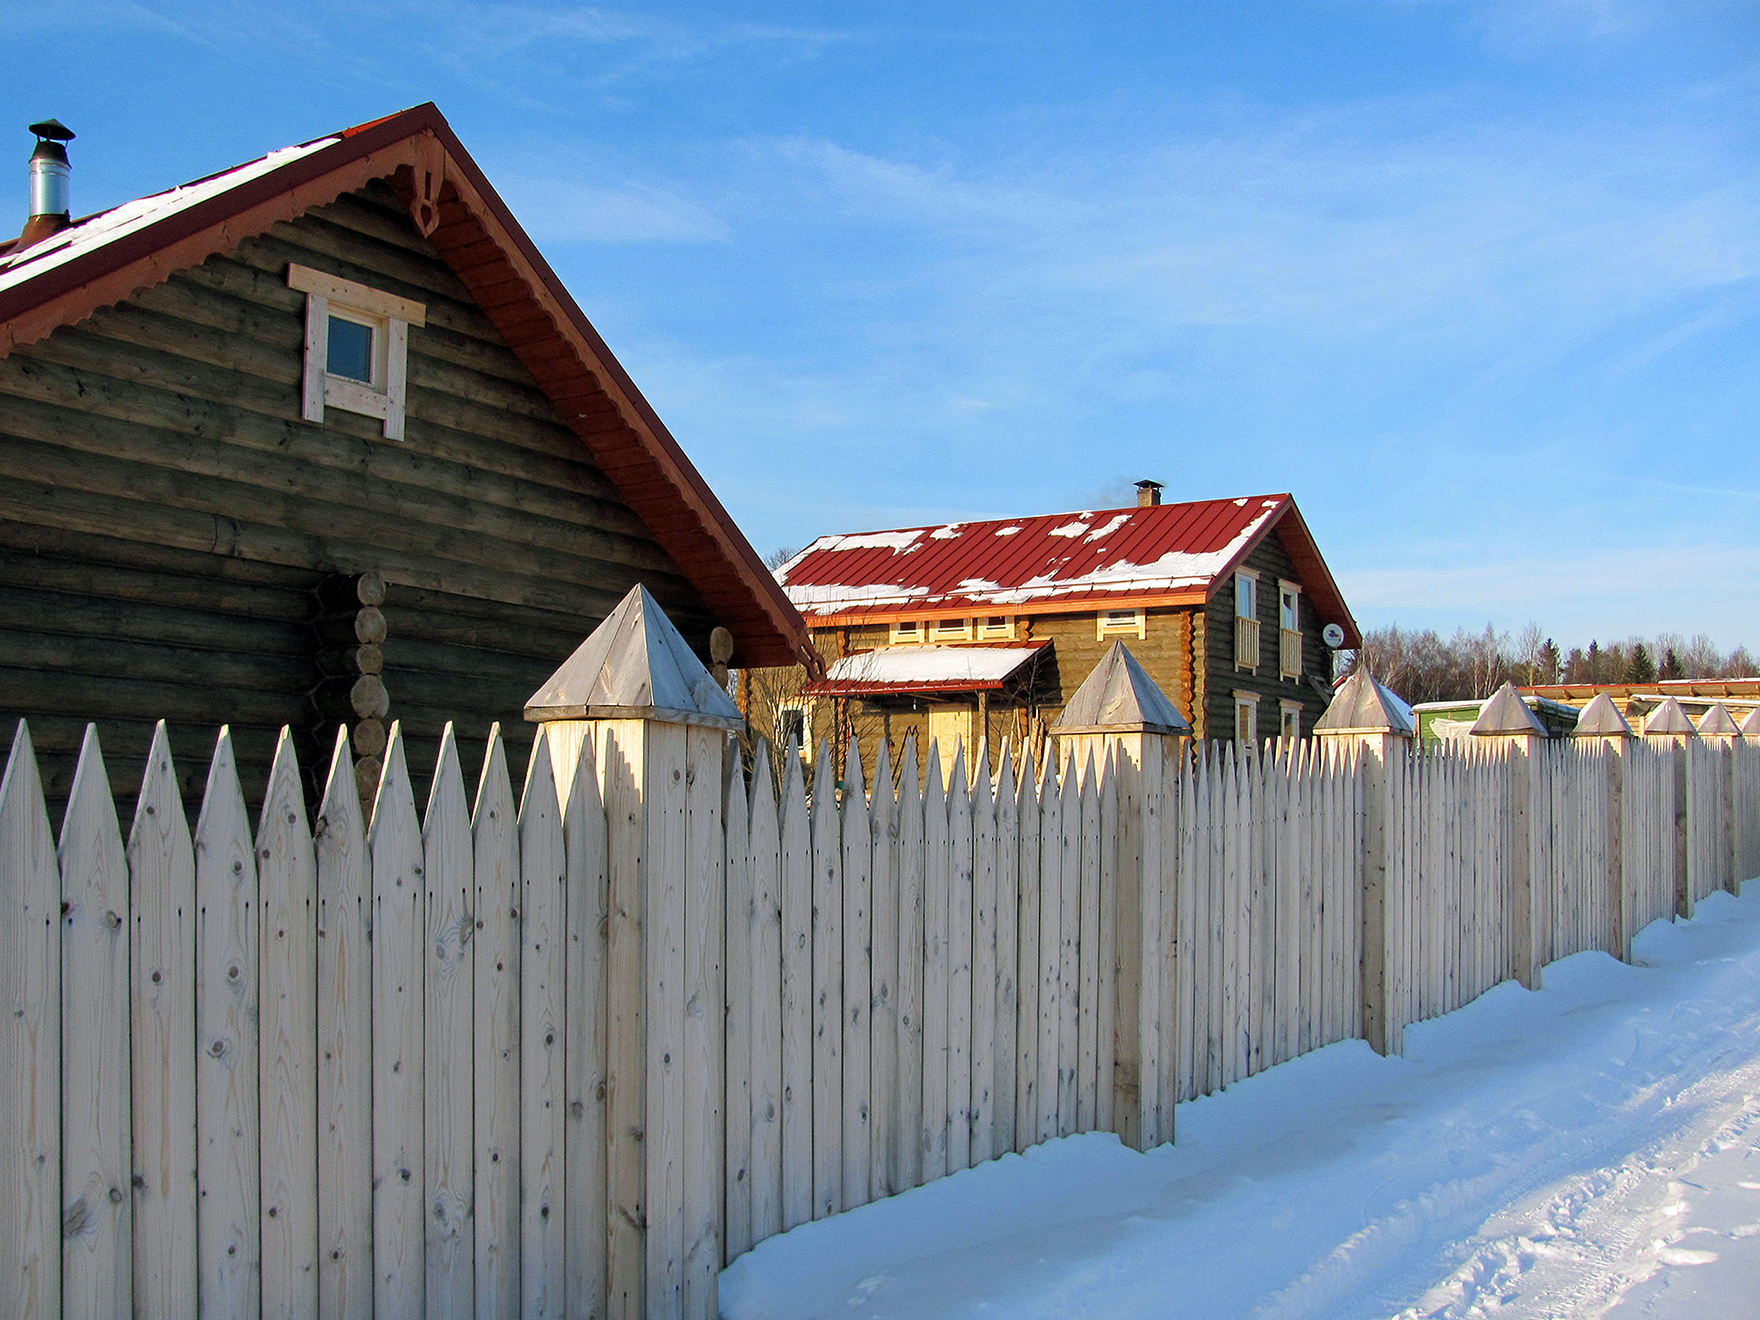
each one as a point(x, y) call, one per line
point(1289, 630)
point(1246, 718)
point(996, 627)
point(1121, 623)
point(906, 631)
point(952, 630)
point(1246, 594)
point(792, 729)
point(1289, 725)
point(356, 349)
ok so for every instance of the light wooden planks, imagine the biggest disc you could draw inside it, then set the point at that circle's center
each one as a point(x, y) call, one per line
point(797, 996)
point(162, 958)
point(449, 1039)
point(959, 966)
point(856, 863)
point(765, 949)
point(623, 768)
point(495, 1038)
point(288, 1031)
point(883, 1022)
point(586, 1040)
point(701, 1058)
point(394, 841)
point(543, 968)
point(665, 816)
point(227, 1171)
point(345, 1024)
point(827, 993)
point(906, 1143)
point(983, 1032)
point(30, 1043)
point(744, 1011)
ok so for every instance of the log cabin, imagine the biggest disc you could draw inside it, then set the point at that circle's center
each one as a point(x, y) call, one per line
point(983, 630)
point(322, 440)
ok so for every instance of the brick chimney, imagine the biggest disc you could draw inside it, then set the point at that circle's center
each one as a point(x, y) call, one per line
point(1148, 494)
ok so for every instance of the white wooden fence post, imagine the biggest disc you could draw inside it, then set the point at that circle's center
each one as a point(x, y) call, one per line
point(659, 726)
point(1365, 713)
point(1602, 723)
point(1506, 721)
point(1119, 709)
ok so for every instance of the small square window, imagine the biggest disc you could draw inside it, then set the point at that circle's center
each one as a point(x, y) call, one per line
point(1290, 721)
point(356, 348)
point(954, 629)
point(911, 630)
point(1120, 623)
point(350, 351)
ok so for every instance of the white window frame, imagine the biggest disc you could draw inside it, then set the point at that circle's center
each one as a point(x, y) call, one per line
point(950, 630)
point(805, 710)
point(1247, 701)
point(1115, 623)
point(905, 632)
point(1290, 592)
point(1289, 720)
point(1246, 587)
point(390, 318)
point(1000, 631)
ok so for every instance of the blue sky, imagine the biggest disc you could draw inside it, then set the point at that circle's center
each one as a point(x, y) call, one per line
point(1477, 282)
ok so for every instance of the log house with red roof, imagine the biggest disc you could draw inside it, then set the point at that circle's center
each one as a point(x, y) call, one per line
point(318, 439)
point(985, 629)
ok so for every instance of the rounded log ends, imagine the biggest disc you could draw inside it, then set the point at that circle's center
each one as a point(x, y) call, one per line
point(369, 660)
point(366, 778)
point(369, 625)
point(369, 698)
point(369, 589)
point(369, 738)
point(720, 646)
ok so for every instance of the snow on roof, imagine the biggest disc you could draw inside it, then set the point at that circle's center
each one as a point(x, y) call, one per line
point(924, 668)
point(107, 226)
point(1107, 555)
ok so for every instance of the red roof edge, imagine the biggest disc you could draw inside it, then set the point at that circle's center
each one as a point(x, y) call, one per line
point(1317, 579)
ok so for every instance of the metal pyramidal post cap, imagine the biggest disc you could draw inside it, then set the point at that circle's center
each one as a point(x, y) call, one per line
point(53, 130)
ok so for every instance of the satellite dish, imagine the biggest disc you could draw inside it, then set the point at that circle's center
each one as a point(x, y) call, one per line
point(1332, 635)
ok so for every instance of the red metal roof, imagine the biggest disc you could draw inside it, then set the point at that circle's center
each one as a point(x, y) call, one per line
point(1155, 554)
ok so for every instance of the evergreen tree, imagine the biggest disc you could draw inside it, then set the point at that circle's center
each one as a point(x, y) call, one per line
point(1641, 668)
point(1593, 664)
point(1550, 664)
point(1670, 666)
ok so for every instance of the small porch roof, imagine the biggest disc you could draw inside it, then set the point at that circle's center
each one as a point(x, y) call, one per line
point(914, 670)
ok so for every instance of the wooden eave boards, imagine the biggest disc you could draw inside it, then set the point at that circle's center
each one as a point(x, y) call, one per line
point(1311, 568)
point(453, 204)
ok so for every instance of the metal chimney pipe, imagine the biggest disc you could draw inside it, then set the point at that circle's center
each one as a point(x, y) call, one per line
point(51, 179)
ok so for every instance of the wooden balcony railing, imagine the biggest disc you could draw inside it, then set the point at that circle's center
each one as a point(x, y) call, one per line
point(1246, 643)
point(1289, 652)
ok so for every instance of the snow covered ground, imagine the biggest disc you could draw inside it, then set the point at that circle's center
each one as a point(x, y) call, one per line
point(1589, 1150)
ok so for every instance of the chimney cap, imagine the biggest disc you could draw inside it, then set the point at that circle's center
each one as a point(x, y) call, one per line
point(1148, 485)
point(53, 130)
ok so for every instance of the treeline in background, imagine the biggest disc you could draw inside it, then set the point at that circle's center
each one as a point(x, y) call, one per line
point(1424, 666)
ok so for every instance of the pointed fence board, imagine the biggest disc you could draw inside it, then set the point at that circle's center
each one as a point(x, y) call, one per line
point(30, 1043)
point(495, 875)
point(744, 1012)
point(857, 865)
point(1050, 1014)
point(827, 994)
point(162, 959)
point(1070, 1001)
point(96, 1157)
point(702, 1034)
point(227, 1151)
point(449, 1041)
point(394, 842)
point(983, 1028)
point(883, 1021)
point(287, 1007)
point(765, 881)
point(907, 1138)
point(959, 967)
point(937, 897)
point(666, 971)
point(797, 997)
point(1006, 933)
point(345, 1064)
point(1027, 969)
point(542, 1016)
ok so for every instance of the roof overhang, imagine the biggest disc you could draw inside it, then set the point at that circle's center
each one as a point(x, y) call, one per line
point(903, 671)
point(453, 204)
point(1316, 578)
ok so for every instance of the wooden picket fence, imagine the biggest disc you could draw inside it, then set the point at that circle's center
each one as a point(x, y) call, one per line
point(341, 1067)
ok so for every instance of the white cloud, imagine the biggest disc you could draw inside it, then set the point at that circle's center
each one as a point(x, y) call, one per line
point(563, 211)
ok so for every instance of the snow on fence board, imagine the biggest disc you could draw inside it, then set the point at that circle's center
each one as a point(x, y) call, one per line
point(572, 1055)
